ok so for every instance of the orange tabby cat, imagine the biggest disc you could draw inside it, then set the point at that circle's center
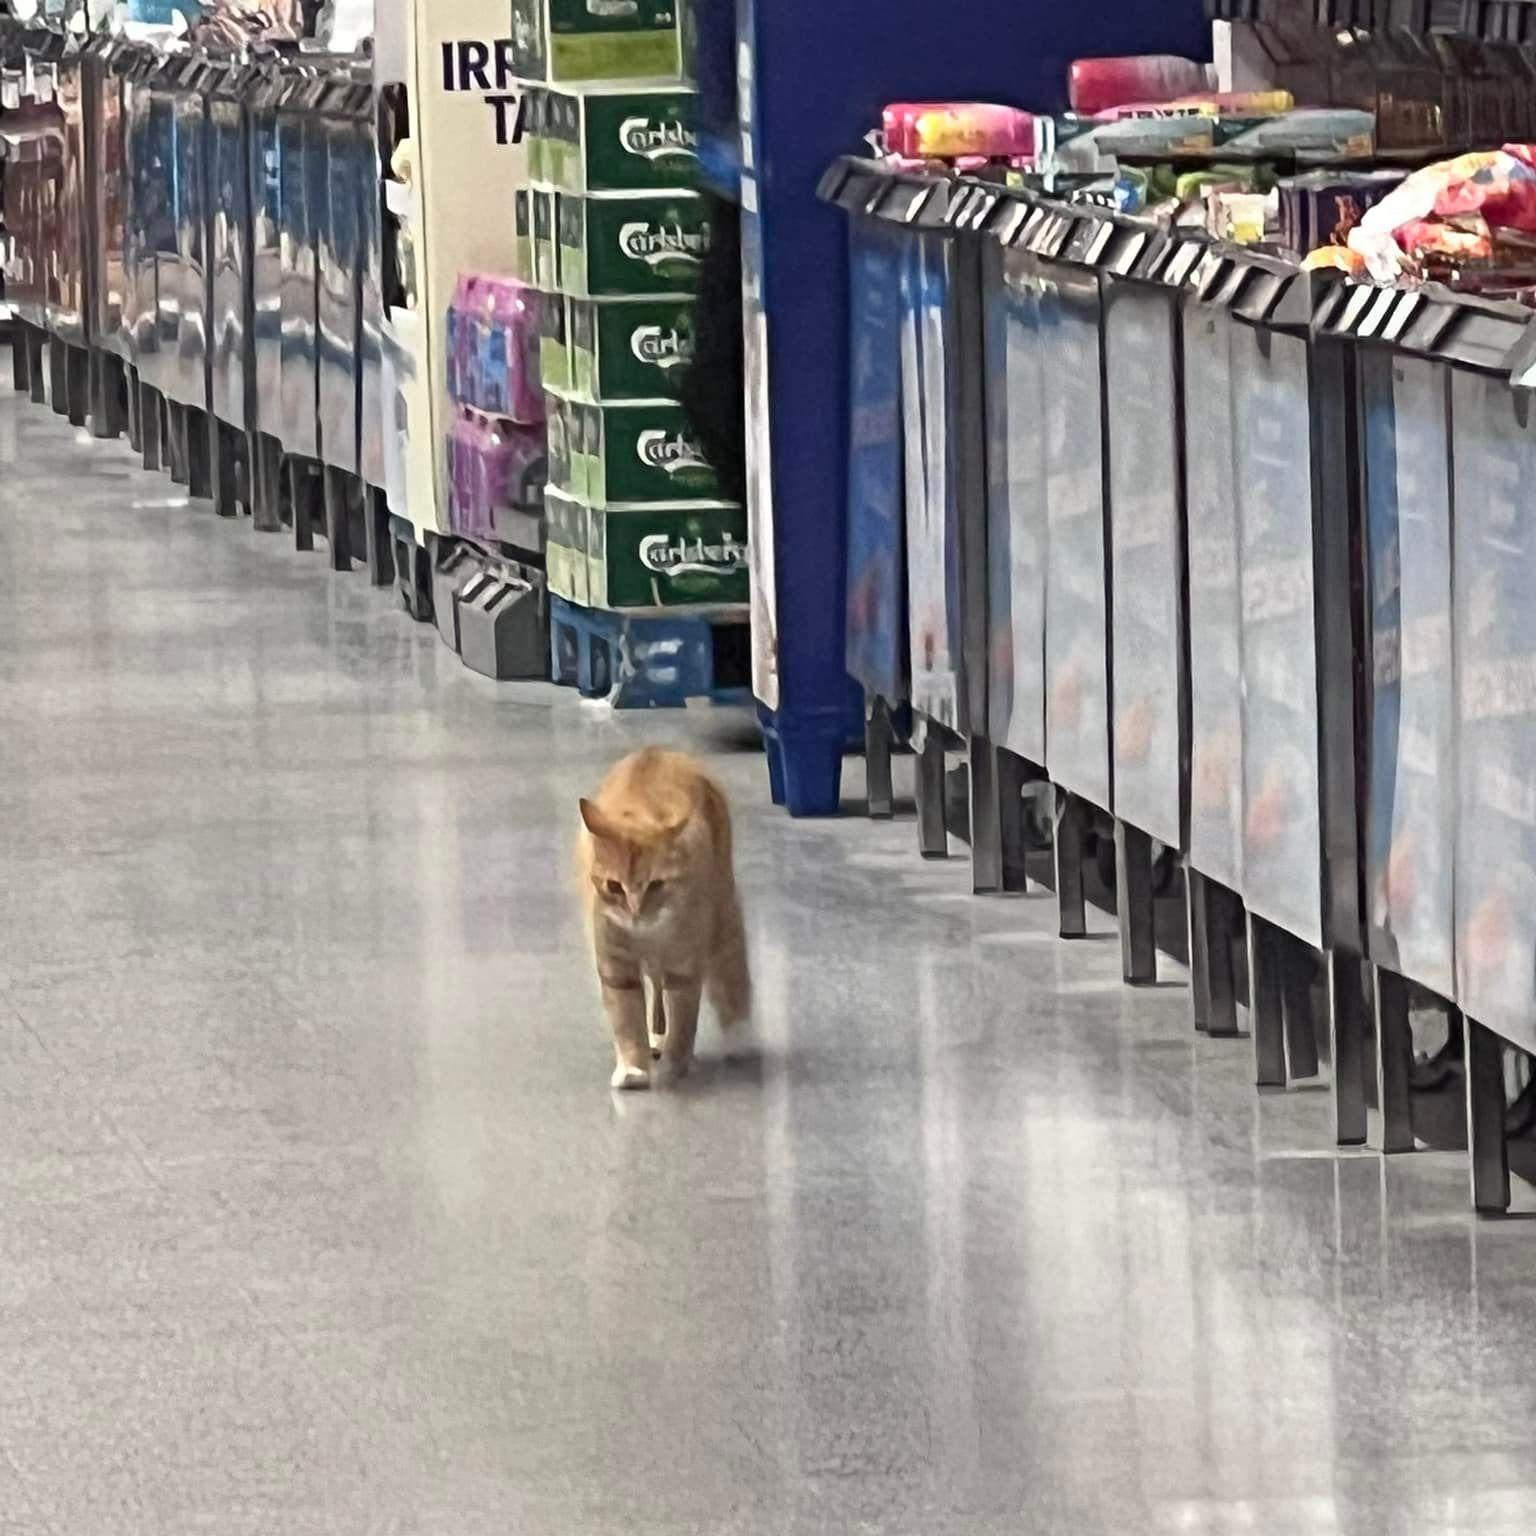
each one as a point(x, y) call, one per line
point(655, 856)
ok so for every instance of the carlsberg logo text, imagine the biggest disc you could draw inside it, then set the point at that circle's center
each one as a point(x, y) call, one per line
point(691, 557)
point(658, 244)
point(655, 141)
point(660, 450)
point(661, 346)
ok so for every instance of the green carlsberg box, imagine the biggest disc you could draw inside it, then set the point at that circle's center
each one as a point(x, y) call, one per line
point(631, 245)
point(595, 39)
point(641, 451)
point(668, 557)
point(630, 349)
point(612, 139)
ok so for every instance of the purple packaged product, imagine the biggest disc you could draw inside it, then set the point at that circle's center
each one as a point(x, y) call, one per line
point(493, 465)
point(494, 342)
point(461, 382)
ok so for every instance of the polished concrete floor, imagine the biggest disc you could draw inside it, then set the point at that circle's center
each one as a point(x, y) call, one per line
point(316, 1214)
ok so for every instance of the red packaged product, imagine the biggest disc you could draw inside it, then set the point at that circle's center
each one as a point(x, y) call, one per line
point(1096, 85)
point(939, 130)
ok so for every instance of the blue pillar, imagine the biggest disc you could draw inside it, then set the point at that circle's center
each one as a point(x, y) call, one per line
point(814, 76)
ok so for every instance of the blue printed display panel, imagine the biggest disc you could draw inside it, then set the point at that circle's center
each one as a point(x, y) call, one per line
point(1411, 805)
point(1494, 453)
point(933, 524)
point(1215, 600)
point(878, 650)
point(1077, 606)
point(1282, 823)
point(1016, 505)
point(1146, 537)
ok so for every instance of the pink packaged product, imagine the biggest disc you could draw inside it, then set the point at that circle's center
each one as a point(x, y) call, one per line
point(957, 129)
point(493, 348)
point(1097, 85)
point(493, 465)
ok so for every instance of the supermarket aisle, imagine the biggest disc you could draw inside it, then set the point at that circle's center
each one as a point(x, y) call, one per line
point(317, 1215)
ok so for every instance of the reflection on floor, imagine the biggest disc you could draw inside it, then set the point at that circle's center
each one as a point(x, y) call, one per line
point(318, 1216)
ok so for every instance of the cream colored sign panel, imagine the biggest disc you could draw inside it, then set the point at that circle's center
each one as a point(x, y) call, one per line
point(464, 114)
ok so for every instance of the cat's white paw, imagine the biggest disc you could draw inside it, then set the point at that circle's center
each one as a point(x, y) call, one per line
point(630, 1079)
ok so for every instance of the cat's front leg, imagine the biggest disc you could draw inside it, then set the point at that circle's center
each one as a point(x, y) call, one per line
point(624, 1003)
point(682, 996)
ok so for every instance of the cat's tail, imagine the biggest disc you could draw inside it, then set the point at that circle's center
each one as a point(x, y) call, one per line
point(730, 973)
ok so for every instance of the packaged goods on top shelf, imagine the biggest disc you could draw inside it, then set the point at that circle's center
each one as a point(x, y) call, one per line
point(1428, 89)
point(1095, 85)
point(1241, 106)
point(1086, 148)
point(1320, 208)
point(958, 130)
point(1471, 220)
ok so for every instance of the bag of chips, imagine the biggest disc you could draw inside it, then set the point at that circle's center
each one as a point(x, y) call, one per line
point(1455, 213)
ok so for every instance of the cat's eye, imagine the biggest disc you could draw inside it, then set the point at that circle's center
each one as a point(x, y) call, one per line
point(615, 887)
point(656, 887)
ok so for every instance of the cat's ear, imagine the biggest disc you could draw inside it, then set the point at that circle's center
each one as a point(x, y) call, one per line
point(598, 824)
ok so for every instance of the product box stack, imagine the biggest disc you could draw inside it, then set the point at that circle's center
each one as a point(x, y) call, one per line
point(613, 232)
point(497, 450)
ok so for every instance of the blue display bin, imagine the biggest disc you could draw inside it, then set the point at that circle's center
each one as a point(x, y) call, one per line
point(1086, 534)
point(917, 545)
point(813, 79)
point(878, 655)
point(1272, 396)
point(879, 638)
point(1449, 840)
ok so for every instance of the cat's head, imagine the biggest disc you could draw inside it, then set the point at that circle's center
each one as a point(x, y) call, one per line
point(636, 866)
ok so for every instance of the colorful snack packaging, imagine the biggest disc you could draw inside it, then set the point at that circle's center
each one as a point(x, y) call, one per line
point(1098, 85)
point(493, 347)
point(1098, 151)
point(493, 466)
point(1240, 104)
point(1334, 258)
point(1338, 131)
point(951, 130)
point(1458, 212)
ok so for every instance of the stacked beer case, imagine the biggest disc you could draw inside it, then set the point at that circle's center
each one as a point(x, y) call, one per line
point(613, 231)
